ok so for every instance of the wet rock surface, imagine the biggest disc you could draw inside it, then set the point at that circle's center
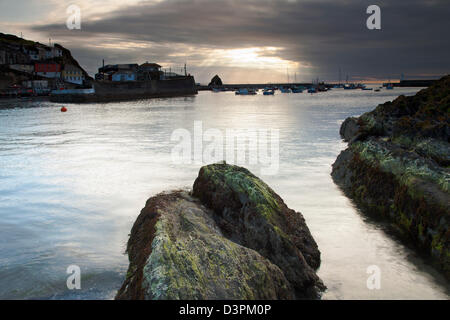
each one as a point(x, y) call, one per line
point(397, 166)
point(232, 237)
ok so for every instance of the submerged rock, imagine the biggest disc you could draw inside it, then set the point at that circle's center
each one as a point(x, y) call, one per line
point(233, 238)
point(397, 166)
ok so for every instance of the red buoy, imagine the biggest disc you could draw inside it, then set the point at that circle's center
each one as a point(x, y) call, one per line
point(63, 109)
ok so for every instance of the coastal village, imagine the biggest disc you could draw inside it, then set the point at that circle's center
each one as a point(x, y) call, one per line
point(134, 72)
point(29, 68)
point(33, 69)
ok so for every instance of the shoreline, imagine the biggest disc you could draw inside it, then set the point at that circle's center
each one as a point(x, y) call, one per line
point(396, 167)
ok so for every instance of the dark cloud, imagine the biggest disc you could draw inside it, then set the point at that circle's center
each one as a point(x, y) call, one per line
point(323, 34)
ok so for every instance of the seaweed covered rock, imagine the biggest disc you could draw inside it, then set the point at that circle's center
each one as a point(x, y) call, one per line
point(250, 213)
point(179, 247)
point(397, 166)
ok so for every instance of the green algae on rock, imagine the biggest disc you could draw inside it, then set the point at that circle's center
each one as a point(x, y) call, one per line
point(250, 213)
point(397, 166)
point(181, 248)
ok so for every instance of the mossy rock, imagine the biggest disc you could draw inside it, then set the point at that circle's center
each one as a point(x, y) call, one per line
point(250, 213)
point(182, 247)
point(397, 166)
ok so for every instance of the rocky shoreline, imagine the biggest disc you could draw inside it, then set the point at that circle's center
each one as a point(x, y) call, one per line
point(232, 237)
point(397, 166)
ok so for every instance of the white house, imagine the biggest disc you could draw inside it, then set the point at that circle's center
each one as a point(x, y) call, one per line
point(41, 84)
point(28, 68)
point(72, 74)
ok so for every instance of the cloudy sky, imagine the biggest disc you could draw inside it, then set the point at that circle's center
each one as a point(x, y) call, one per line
point(247, 40)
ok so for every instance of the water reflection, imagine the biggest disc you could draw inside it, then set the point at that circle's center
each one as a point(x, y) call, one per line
point(73, 183)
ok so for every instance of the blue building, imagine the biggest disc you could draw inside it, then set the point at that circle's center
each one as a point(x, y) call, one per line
point(124, 75)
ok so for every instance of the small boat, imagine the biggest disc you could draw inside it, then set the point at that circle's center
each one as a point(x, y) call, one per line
point(389, 86)
point(366, 88)
point(285, 90)
point(350, 86)
point(377, 90)
point(245, 91)
point(312, 90)
point(268, 92)
point(296, 89)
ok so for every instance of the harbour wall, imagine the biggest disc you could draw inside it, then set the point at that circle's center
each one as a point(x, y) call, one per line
point(108, 91)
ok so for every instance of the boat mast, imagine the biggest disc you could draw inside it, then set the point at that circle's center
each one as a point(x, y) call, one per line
point(339, 76)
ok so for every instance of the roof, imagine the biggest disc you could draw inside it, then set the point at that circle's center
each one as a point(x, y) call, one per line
point(147, 64)
point(46, 62)
point(71, 67)
point(126, 65)
point(124, 72)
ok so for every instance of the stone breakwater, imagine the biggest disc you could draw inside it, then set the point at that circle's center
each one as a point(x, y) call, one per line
point(232, 237)
point(397, 166)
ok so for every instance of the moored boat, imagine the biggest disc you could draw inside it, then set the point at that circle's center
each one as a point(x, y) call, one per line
point(297, 89)
point(245, 91)
point(349, 86)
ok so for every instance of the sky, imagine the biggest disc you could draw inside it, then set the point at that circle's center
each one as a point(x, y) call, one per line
point(247, 41)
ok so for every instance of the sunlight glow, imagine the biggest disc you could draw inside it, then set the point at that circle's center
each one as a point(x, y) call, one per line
point(255, 57)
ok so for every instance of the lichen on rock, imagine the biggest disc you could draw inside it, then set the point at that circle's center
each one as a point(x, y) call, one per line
point(180, 248)
point(253, 215)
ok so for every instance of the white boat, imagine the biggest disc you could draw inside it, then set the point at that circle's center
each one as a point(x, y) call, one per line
point(350, 86)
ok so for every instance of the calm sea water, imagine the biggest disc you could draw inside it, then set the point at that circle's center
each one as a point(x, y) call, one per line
point(72, 184)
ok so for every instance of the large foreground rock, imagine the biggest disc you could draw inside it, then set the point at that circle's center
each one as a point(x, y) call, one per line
point(232, 238)
point(397, 166)
point(250, 213)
